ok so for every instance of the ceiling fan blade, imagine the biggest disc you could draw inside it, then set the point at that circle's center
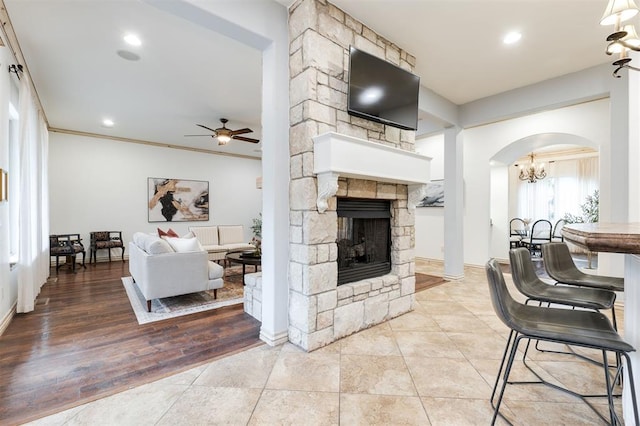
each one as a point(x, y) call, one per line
point(241, 131)
point(242, 138)
point(205, 127)
point(200, 135)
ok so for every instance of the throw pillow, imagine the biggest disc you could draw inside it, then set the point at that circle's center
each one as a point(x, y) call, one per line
point(184, 245)
point(156, 245)
point(139, 238)
point(169, 233)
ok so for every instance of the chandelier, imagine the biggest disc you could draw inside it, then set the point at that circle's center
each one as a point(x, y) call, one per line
point(624, 38)
point(532, 172)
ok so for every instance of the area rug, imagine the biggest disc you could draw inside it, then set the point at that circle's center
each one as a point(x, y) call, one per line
point(170, 307)
point(424, 281)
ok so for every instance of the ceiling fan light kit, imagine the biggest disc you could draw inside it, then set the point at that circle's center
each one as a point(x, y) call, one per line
point(624, 38)
point(224, 135)
point(223, 139)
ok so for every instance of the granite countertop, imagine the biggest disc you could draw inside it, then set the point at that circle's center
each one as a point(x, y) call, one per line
point(604, 237)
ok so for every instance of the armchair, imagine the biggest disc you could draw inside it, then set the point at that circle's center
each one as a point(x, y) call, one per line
point(67, 245)
point(104, 240)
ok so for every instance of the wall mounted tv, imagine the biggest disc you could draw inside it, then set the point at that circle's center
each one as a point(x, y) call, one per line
point(381, 91)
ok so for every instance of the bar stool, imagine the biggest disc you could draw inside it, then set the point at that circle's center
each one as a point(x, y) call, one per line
point(527, 282)
point(559, 265)
point(570, 327)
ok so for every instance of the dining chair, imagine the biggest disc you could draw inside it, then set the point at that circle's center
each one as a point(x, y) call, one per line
point(517, 231)
point(556, 235)
point(539, 235)
point(579, 328)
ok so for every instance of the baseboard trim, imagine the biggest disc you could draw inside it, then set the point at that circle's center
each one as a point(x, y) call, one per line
point(274, 340)
point(100, 259)
point(114, 258)
point(453, 277)
point(8, 317)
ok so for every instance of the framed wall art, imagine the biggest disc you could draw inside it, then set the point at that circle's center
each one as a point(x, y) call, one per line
point(177, 200)
point(434, 196)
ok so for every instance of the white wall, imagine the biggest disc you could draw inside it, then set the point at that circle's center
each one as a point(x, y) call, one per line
point(500, 212)
point(589, 120)
point(8, 293)
point(430, 220)
point(101, 185)
point(263, 25)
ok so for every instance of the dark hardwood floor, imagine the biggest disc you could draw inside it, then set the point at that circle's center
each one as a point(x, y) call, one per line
point(83, 342)
point(424, 281)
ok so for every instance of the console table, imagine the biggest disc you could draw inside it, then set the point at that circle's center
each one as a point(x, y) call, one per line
point(618, 238)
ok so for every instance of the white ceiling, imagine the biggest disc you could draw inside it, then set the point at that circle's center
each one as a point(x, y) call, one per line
point(458, 43)
point(187, 74)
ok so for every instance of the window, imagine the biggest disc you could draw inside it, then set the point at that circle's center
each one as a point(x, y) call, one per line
point(564, 190)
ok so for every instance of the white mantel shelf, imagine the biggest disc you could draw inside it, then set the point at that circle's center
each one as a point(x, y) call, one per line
point(337, 155)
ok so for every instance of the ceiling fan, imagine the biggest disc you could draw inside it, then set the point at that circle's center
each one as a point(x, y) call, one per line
point(224, 135)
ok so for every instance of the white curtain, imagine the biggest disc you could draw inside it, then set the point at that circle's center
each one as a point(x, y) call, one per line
point(564, 190)
point(32, 200)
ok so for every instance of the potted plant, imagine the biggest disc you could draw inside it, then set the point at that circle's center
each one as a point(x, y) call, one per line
point(256, 228)
point(590, 210)
point(590, 214)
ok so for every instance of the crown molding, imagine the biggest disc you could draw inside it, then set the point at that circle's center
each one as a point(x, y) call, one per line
point(149, 143)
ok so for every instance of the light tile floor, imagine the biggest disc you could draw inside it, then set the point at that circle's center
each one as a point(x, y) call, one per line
point(433, 366)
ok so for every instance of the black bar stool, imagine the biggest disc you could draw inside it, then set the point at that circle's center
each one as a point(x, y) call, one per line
point(565, 326)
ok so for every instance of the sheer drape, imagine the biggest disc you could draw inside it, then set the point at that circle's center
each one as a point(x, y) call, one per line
point(32, 200)
point(564, 190)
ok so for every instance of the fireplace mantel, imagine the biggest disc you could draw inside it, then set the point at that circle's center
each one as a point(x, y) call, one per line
point(337, 155)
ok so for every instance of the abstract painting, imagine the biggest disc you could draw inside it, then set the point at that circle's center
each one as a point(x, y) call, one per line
point(434, 196)
point(178, 200)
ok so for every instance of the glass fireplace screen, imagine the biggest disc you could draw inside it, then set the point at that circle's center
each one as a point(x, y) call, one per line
point(364, 239)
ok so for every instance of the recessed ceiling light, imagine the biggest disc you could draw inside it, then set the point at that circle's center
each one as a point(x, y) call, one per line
point(107, 122)
point(512, 37)
point(132, 39)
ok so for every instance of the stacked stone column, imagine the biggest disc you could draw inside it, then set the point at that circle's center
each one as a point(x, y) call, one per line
point(320, 312)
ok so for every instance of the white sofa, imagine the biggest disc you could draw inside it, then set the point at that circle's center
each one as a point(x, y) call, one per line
point(160, 270)
point(221, 239)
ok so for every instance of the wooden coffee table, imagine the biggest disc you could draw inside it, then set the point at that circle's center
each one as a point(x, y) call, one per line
point(245, 260)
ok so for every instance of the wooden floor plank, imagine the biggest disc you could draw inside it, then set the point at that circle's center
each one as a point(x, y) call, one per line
point(83, 342)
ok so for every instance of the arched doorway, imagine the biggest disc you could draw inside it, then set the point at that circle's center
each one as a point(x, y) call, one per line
point(503, 205)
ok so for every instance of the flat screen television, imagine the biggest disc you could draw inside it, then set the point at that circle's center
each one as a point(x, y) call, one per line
point(381, 91)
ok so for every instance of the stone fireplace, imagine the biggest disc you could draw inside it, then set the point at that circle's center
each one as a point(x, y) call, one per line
point(365, 174)
point(335, 156)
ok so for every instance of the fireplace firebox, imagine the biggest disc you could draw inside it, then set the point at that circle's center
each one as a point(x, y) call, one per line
point(364, 239)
